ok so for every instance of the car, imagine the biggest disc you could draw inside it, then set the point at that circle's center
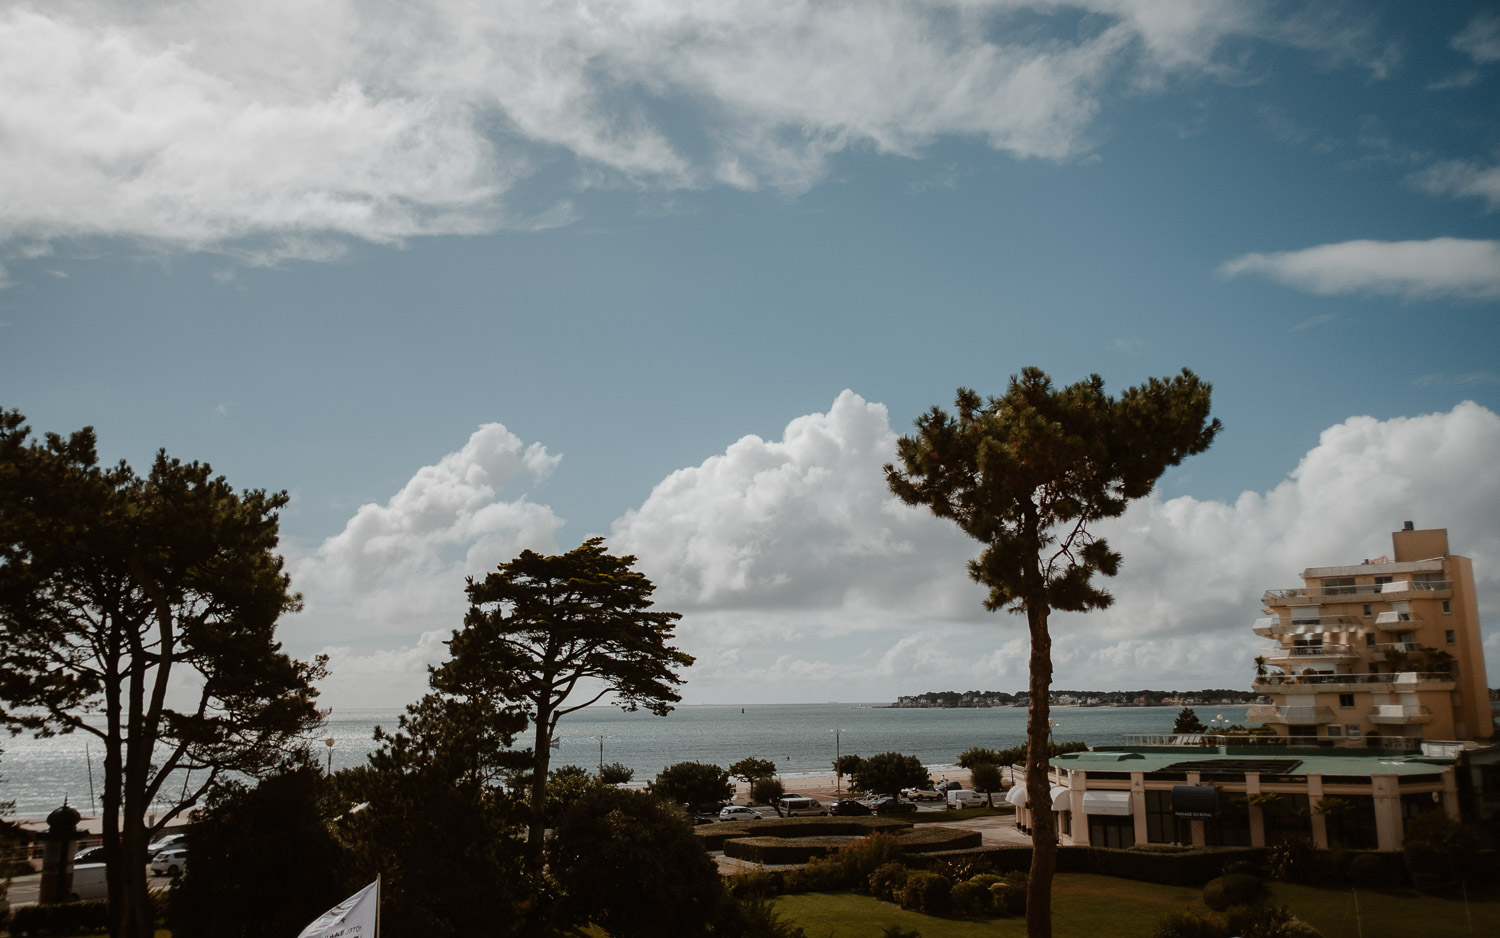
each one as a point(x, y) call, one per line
point(962, 798)
point(848, 807)
point(166, 843)
point(921, 794)
point(947, 785)
point(737, 812)
point(889, 805)
point(798, 806)
point(91, 855)
point(170, 862)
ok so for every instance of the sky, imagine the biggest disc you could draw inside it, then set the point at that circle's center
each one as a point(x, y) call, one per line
point(468, 279)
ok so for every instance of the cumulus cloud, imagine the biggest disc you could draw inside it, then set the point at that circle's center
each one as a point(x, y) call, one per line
point(273, 129)
point(397, 570)
point(1462, 178)
point(800, 578)
point(1440, 267)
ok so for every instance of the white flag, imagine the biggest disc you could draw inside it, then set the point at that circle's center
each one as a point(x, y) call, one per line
point(353, 918)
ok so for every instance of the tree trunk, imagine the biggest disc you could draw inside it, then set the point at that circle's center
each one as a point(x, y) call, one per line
point(537, 828)
point(1038, 791)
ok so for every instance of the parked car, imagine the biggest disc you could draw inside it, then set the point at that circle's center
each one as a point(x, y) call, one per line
point(947, 785)
point(737, 812)
point(170, 862)
point(961, 798)
point(889, 805)
point(89, 882)
point(797, 806)
point(166, 843)
point(921, 794)
point(848, 807)
point(91, 855)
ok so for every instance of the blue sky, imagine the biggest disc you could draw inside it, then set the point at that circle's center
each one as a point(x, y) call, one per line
point(468, 282)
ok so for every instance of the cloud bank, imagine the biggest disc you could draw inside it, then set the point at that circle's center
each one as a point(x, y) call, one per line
point(800, 578)
point(1440, 267)
point(276, 128)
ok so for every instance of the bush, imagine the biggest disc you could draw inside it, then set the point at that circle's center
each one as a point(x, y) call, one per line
point(1187, 924)
point(970, 899)
point(887, 880)
point(926, 892)
point(1369, 871)
point(1234, 889)
point(755, 884)
point(1291, 861)
point(1265, 921)
point(64, 918)
point(1008, 897)
point(766, 790)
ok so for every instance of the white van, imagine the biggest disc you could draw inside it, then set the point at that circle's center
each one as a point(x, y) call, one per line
point(963, 798)
point(796, 806)
point(89, 882)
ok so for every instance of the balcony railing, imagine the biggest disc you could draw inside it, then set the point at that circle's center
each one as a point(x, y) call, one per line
point(1416, 586)
point(1284, 681)
point(1392, 621)
point(1291, 716)
point(1310, 651)
point(1358, 591)
point(1399, 713)
point(1134, 740)
point(1272, 626)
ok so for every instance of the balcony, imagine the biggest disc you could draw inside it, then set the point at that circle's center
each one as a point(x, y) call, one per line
point(1310, 653)
point(1416, 589)
point(1265, 626)
point(1321, 683)
point(1399, 714)
point(1273, 627)
point(1308, 595)
point(1291, 716)
point(1393, 621)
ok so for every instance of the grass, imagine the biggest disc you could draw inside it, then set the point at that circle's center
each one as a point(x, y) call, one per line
point(961, 814)
point(1086, 905)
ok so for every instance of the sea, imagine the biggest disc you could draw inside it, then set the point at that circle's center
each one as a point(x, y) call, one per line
point(802, 739)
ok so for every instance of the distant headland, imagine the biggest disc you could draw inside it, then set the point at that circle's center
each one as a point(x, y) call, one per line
point(975, 699)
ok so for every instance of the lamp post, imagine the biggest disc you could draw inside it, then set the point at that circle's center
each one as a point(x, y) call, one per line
point(838, 775)
point(1051, 725)
point(329, 743)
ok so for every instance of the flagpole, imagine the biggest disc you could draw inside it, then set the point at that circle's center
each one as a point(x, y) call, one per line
point(377, 905)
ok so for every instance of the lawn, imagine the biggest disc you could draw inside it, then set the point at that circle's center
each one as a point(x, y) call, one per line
point(1085, 905)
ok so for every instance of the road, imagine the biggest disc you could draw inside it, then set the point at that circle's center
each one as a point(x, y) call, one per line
point(23, 889)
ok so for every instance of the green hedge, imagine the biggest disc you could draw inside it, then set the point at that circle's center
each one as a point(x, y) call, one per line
point(1182, 866)
point(773, 849)
point(930, 839)
point(64, 918)
point(714, 836)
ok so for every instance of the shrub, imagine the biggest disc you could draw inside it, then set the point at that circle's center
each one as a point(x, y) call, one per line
point(896, 931)
point(886, 881)
point(755, 884)
point(1369, 871)
point(986, 879)
point(1234, 889)
point(1008, 897)
point(64, 918)
point(757, 918)
point(766, 790)
point(1186, 924)
point(1291, 861)
point(970, 899)
point(926, 892)
point(1266, 921)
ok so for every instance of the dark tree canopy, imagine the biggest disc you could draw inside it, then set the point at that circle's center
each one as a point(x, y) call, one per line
point(550, 635)
point(1027, 474)
point(888, 772)
point(1188, 722)
point(986, 777)
point(752, 768)
point(115, 587)
point(616, 773)
point(847, 764)
point(692, 783)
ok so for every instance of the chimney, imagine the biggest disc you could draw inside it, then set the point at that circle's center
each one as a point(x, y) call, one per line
point(1406, 526)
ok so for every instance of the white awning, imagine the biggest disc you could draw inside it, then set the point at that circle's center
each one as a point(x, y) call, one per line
point(1107, 802)
point(1060, 800)
point(1017, 796)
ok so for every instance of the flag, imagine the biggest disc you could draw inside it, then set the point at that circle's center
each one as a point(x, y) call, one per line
point(355, 917)
point(556, 743)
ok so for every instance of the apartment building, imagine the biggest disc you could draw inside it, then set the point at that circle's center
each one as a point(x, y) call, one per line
point(1384, 653)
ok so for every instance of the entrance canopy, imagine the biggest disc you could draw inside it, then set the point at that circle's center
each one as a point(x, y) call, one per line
point(1107, 802)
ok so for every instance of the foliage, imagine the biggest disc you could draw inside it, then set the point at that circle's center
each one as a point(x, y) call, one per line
point(273, 839)
point(1333, 805)
point(977, 755)
point(886, 880)
point(847, 764)
point(751, 769)
point(565, 785)
point(896, 931)
point(1026, 475)
point(115, 586)
point(62, 919)
point(889, 772)
point(970, 899)
point(692, 783)
point(1436, 849)
point(766, 790)
point(431, 815)
point(1267, 921)
point(1188, 722)
point(1008, 897)
point(616, 773)
point(1232, 889)
point(1291, 861)
point(986, 777)
point(1015, 755)
point(629, 862)
point(540, 626)
point(1422, 659)
point(1370, 871)
point(1187, 924)
point(925, 891)
point(755, 917)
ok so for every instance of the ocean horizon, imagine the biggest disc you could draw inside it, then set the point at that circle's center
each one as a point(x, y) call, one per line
point(802, 739)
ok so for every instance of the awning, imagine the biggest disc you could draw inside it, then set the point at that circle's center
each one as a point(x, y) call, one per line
point(1017, 796)
point(1107, 802)
point(1195, 801)
point(1060, 800)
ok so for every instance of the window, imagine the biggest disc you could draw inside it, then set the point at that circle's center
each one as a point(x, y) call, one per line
point(1161, 823)
point(1451, 637)
point(1334, 730)
point(1338, 585)
point(1346, 700)
point(1369, 639)
point(1351, 730)
point(1447, 607)
point(1367, 610)
point(1108, 831)
point(1381, 581)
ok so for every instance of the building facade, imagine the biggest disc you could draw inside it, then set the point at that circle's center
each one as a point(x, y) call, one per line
point(1385, 653)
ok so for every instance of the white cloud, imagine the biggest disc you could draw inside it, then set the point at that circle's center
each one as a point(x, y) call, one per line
point(1443, 267)
point(398, 569)
point(1462, 178)
point(1480, 39)
point(273, 129)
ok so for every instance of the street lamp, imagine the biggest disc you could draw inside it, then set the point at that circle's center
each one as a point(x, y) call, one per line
point(838, 774)
point(329, 743)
